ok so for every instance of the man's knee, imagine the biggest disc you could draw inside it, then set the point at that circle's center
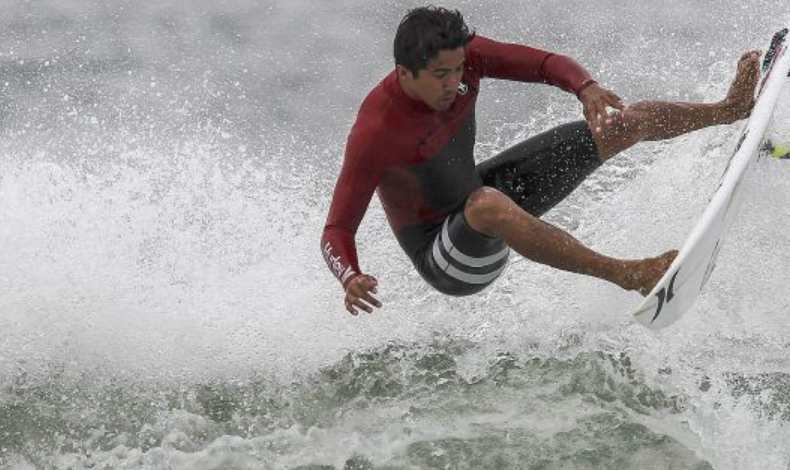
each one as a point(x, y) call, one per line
point(624, 131)
point(486, 208)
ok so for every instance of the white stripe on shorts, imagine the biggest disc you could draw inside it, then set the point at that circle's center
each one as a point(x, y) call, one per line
point(465, 259)
point(456, 273)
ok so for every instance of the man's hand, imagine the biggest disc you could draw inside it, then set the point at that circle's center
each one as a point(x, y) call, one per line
point(595, 100)
point(358, 294)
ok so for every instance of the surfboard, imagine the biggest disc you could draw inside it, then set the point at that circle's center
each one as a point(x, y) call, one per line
point(677, 290)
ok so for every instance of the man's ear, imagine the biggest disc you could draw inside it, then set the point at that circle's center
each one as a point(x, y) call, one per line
point(404, 74)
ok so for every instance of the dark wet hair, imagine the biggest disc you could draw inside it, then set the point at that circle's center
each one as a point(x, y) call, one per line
point(426, 31)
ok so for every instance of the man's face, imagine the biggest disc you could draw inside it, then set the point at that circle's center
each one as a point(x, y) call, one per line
point(437, 84)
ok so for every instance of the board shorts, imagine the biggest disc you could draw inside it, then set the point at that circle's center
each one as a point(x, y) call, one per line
point(537, 174)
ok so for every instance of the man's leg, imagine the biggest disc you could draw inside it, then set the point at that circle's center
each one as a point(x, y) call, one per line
point(655, 120)
point(492, 213)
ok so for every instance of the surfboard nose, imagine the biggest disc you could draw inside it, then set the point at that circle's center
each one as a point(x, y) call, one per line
point(776, 42)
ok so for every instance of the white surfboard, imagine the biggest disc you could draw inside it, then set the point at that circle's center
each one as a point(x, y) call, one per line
point(676, 292)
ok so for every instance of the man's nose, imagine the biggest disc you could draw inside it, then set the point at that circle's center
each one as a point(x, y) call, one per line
point(452, 82)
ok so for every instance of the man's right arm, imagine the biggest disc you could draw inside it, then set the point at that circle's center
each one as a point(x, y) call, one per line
point(354, 189)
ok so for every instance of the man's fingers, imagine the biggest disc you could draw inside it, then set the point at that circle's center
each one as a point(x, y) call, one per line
point(597, 102)
point(594, 117)
point(603, 113)
point(589, 114)
point(359, 303)
point(364, 301)
point(352, 305)
point(371, 300)
point(597, 112)
point(359, 298)
point(613, 100)
point(358, 294)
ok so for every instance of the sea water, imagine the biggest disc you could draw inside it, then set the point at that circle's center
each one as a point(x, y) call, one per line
point(165, 173)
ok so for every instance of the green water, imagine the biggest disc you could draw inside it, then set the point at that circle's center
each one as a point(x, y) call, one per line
point(397, 407)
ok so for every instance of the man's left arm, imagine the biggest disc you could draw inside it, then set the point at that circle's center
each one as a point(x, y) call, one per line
point(528, 64)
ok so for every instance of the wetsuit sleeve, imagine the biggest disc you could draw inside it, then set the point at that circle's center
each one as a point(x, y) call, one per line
point(355, 186)
point(527, 64)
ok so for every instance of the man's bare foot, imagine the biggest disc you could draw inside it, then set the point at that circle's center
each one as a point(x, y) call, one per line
point(740, 98)
point(643, 275)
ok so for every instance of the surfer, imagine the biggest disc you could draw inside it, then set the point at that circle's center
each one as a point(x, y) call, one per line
point(413, 141)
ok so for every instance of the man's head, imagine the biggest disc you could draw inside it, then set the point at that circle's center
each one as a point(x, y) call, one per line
point(429, 54)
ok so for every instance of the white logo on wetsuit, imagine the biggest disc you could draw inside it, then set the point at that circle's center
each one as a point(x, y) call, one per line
point(335, 264)
point(462, 88)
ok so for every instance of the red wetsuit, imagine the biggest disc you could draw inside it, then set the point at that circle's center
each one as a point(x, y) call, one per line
point(421, 160)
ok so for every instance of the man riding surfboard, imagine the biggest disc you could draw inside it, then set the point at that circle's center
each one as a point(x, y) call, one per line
point(413, 143)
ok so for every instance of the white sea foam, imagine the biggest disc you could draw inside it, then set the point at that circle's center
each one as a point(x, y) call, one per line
point(159, 229)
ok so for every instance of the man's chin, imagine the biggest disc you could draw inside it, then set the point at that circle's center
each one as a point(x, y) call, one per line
point(443, 105)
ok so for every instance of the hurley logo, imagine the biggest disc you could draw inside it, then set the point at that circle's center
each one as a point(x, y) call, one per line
point(341, 272)
point(462, 88)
